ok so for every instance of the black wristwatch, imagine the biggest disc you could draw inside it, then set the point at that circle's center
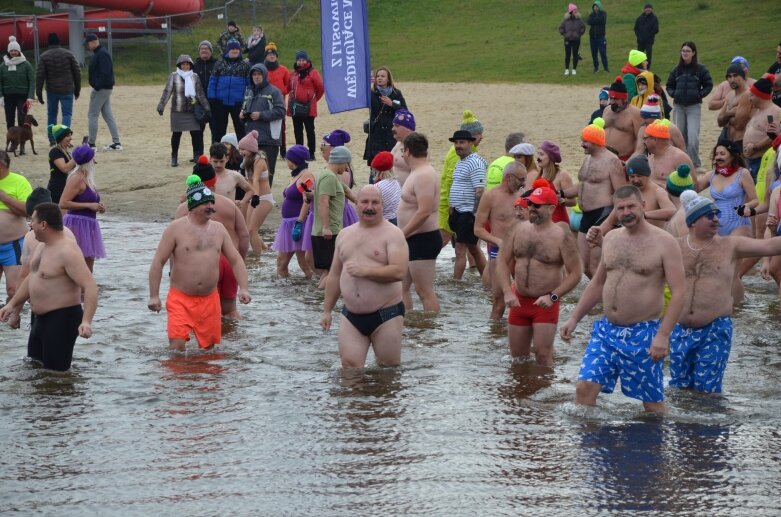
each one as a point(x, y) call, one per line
point(554, 297)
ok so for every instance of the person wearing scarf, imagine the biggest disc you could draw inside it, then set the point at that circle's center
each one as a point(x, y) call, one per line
point(306, 87)
point(732, 189)
point(17, 84)
point(185, 90)
point(256, 46)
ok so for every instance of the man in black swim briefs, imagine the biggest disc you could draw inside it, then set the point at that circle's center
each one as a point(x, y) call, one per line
point(369, 264)
point(58, 274)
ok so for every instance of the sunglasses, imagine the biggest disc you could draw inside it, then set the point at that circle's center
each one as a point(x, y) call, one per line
point(712, 215)
point(532, 204)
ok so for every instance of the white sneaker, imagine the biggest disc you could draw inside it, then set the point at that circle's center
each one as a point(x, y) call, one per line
point(566, 71)
point(574, 72)
point(113, 147)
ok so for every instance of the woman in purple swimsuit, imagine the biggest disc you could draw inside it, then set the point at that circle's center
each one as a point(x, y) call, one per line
point(289, 239)
point(82, 202)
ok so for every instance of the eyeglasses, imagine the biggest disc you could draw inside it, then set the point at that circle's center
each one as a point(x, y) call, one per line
point(712, 215)
point(324, 145)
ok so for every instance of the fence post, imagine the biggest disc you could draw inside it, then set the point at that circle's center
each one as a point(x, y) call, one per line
point(284, 13)
point(169, 38)
point(109, 38)
point(254, 14)
point(36, 46)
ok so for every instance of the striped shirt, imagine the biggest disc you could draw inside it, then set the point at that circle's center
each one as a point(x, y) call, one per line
point(468, 175)
point(391, 196)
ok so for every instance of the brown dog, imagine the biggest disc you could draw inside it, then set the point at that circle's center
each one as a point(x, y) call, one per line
point(18, 135)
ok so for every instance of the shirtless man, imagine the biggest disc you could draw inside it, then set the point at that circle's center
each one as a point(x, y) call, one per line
point(663, 157)
point(719, 95)
point(403, 125)
point(229, 215)
point(196, 245)
point(58, 275)
point(538, 249)
point(600, 175)
point(658, 208)
point(14, 189)
point(629, 341)
point(735, 113)
point(418, 220)
point(497, 208)
point(755, 139)
point(622, 121)
point(651, 112)
point(701, 341)
point(368, 267)
point(227, 180)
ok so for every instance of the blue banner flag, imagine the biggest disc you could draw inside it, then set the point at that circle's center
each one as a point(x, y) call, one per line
point(345, 43)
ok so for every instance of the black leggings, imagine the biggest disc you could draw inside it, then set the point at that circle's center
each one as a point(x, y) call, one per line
point(53, 335)
point(298, 130)
point(195, 136)
point(14, 102)
point(571, 48)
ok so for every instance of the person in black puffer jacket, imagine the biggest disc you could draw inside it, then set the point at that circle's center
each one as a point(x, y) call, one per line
point(59, 71)
point(203, 68)
point(386, 100)
point(688, 84)
point(256, 46)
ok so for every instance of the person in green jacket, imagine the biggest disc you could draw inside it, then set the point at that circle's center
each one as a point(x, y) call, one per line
point(17, 84)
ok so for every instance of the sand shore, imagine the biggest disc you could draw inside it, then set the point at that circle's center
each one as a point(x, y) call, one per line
point(138, 182)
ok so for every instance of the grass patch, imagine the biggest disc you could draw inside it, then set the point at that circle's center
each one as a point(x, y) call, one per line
point(484, 41)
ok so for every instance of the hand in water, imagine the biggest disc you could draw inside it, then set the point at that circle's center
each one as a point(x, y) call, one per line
point(325, 321)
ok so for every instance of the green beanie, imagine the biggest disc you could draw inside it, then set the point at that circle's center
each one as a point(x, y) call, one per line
point(197, 192)
point(680, 180)
point(59, 131)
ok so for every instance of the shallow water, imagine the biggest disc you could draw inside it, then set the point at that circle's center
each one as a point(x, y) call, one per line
point(270, 424)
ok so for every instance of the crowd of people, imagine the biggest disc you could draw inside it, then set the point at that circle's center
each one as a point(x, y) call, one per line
point(665, 262)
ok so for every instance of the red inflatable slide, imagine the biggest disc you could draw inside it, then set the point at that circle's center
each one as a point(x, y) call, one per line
point(183, 13)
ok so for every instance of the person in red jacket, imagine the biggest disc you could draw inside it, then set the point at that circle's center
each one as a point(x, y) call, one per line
point(279, 76)
point(306, 88)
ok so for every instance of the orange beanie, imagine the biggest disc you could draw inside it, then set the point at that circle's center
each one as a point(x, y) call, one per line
point(659, 129)
point(594, 132)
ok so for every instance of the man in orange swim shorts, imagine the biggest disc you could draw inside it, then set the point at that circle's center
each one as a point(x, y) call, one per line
point(196, 244)
point(546, 267)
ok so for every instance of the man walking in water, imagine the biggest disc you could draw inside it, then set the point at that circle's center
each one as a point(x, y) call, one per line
point(196, 245)
point(58, 275)
point(368, 267)
point(629, 341)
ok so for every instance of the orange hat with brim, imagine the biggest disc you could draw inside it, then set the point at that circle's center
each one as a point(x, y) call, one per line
point(659, 129)
point(594, 132)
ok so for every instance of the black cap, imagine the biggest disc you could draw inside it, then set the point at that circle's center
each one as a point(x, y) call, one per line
point(462, 135)
point(91, 37)
point(232, 24)
point(54, 39)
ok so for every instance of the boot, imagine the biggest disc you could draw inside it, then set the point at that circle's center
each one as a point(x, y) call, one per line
point(174, 161)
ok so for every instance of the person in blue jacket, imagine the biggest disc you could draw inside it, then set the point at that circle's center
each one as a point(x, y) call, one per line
point(227, 85)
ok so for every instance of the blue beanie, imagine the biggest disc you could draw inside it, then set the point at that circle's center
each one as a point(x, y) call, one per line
point(301, 54)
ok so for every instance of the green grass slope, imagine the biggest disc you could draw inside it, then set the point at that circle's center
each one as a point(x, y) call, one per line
point(487, 40)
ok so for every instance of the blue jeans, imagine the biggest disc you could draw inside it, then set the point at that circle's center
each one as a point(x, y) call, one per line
point(599, 45)
point(52, 102)
point(687, 119)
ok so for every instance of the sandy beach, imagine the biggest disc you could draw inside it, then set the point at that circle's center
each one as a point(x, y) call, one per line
point(139, 183)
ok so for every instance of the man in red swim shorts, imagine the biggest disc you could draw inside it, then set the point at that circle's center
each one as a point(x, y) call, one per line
point(196, 244)
point(546, 267)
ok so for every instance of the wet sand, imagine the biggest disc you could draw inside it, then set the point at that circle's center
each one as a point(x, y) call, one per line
point(138, 182)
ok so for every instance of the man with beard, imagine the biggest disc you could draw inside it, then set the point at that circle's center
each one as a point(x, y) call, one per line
point(663, 156)
point(735, 113)
point(368, 267)
point(630, 341)
point(718, 96)
point(403, 125)
point(465, 192)
point(622, 121)
point(756, 140)
point(600, 175)
point(535, 252)
point(418, 221)
point(496, 208)
point(701, 341)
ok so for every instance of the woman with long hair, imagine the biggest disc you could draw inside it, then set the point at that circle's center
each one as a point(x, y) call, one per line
point(290, 236)
point(386, 99)
point(549, 162)
point(82, 202)
point(688, 84)
point(255, 168)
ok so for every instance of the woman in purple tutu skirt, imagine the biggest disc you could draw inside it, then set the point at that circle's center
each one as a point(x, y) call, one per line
point(82, 202)
point(290, 236)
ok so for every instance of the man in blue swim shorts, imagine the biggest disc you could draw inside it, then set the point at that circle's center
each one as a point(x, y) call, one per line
point(14, 189)
point(701, 341)
point(630, 342)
